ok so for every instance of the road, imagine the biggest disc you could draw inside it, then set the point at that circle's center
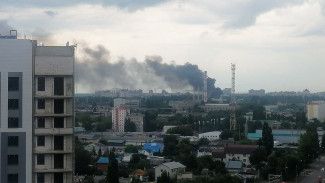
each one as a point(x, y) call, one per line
point(315, 172)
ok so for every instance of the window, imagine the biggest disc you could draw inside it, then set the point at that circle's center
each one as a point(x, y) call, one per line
point(13, 83)
point(58, 86)
point(58, 106)
point(58, 161)
point(12, 140)
point(40, 159)
point(40, 178)
point(59, 122)
point(41, 84)
point(13, 122)
point(13, 103)
point(58, 142)
point(40, 122)
point(58, 177)
point(12, 178)
point(12, 159)
point(41, 104)
point(40, 140)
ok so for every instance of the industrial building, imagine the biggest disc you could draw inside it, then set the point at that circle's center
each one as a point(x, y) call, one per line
point(36, 111)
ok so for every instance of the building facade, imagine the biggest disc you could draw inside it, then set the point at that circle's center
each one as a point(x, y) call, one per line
point(36, 116)
point(316, 110)
point(137, 119)
point(118, 118)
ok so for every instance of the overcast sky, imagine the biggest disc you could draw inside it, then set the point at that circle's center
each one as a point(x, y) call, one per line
point(277, 45)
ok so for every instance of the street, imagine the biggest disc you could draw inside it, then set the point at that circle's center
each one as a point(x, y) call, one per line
point(315, 172)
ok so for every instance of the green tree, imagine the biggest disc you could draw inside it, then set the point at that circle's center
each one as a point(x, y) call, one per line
point(203, 142)
point(131, 149)
point(267, 138)
point(181, 130)
point(112, 170)
point(309, 144)
point(164, 178)
point(170, 145)
point(82, 167)
point(225, 134)
point(129, 126)
point(258, 157)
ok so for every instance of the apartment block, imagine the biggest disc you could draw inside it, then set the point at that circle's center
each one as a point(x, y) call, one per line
point(137, 119)
point(36, 116)
point(316, 110)
point(118, 118)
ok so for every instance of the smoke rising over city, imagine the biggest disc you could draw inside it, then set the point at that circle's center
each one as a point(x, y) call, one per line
point(96, 70)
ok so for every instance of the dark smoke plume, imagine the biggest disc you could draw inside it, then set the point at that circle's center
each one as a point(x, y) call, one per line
point(4, 27)
point(95, 71)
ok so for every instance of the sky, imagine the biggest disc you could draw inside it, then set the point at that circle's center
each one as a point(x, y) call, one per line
point(276, 45)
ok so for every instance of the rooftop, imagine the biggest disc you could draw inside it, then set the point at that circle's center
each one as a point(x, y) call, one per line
point(173, 165)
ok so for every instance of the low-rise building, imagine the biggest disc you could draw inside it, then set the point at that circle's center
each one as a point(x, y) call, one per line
point(214, 135)
point(171, 168)
point(238, 152)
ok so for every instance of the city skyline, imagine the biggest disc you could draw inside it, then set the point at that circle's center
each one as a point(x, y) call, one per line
point(277, 46)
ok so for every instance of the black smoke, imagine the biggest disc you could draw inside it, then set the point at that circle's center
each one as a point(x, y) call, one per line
point(5, 27)
point(96, 71)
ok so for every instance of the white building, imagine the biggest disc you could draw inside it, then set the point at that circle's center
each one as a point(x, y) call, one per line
point(36, 112)
point(316, 109)
point(118, 118)
point(210, 135)
point(171, 168)
point(238, 152)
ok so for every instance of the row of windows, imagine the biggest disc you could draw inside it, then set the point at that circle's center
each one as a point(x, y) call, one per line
point(58, 122)
point(58, 142)
point(58, 105)
point(58, 85)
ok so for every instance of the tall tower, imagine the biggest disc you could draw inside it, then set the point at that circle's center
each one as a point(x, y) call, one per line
point(233, 121)
point(205, 87)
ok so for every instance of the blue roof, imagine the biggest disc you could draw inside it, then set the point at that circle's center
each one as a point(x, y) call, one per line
point(105, 160)
point(154, 147)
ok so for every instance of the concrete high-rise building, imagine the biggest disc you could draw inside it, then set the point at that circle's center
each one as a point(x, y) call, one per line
point(118, 118)
point(36, 112)
point(316, 110)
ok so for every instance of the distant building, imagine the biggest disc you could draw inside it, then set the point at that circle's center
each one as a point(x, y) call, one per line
point(127, 102)
point(119, 93)
point(185, 105)
point(215, 107)
point(226, 91)
point(316, 110)
point(119, 102)
point(210, 135)
point(137, 119)
point(118, 118)
point(256, 92)
point(171, 168)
